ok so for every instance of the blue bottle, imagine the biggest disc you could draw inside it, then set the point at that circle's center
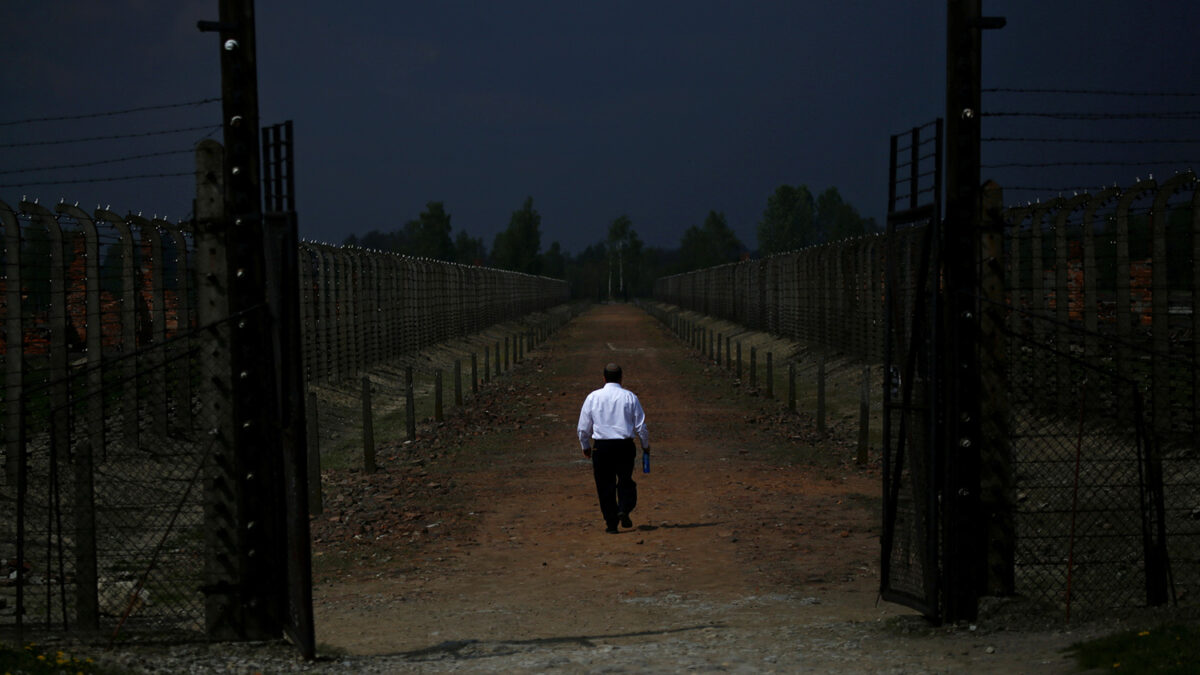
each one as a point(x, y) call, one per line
point(645, 462)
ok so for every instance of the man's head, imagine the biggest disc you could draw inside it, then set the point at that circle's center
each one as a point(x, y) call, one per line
point(612, 373)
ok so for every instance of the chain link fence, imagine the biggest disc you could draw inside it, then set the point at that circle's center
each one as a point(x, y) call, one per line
point(109, 529)
point(1091, 383)
point(111, 501)
point(1101, 327)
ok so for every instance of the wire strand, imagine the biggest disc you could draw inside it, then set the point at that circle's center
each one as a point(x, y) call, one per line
point(109, 113)
point(82, 165)
point(1040, 165)
point(1181, 115)
point(1098, 141)
point(109, 179)
point(206, 127)
point(1070, 188)
point(1089, 92)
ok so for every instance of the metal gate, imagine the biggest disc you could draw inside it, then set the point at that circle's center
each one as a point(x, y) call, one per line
point(912, 455)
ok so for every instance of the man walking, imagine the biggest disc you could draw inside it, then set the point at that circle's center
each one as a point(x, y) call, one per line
point(610, 418)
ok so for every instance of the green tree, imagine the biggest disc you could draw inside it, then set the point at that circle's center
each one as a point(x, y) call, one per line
point(379, 241)
point(636, 273)
point(429, 235)
point(711, 244)
point(837, 220)
point(620, 247)
point(587, 273)
point(554, 262)
point(517, 247)
point(469, 250)
point(787, 222)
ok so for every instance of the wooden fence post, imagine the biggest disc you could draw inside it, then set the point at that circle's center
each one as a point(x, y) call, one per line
point(739, 360)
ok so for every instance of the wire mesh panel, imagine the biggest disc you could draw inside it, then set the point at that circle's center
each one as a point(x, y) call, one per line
point(105, 434)
point(113, 532)
point(1102, 376)
point(911, 522)
point(1079, 471)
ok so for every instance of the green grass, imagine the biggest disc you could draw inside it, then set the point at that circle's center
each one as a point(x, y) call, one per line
point(1171, 648)
point(35, 660)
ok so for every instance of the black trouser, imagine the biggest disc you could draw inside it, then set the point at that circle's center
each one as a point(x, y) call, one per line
point(612, 465)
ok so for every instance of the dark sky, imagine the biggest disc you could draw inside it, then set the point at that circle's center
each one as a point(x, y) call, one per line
point(659, 110)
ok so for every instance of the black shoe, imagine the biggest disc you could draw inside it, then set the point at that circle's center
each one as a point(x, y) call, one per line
point(625, 521)
point(611, 529)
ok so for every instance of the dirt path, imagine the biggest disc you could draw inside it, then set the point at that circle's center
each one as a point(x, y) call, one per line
point(738, 559)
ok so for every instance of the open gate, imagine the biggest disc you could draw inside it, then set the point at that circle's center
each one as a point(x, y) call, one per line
point(912, 453)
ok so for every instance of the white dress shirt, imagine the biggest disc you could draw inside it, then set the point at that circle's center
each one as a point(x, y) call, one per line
point(612, 412)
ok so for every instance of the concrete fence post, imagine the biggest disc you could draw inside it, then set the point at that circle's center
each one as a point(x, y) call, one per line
point(792, 386)
point(821, 394)
point(770, 375)
point(410, 407)
point(437, 395)
point(864, 416)
point(753, 367)
point(315, 504)
point(368, 426)
point(474, 373)
point(458, 395)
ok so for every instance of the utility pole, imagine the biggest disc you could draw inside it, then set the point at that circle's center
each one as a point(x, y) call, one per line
point(964, 548)
point(243, 584)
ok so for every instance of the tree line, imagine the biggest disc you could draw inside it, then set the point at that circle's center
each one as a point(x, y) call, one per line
point(620, 265)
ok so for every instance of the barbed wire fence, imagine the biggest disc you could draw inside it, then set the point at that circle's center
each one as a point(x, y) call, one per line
point(823, 305)
point(1098, 361)
point(395, 341)
point(1101, 327)
point(103, 410)
point(101, 441)
point(1044, 143)
point(129, 153)
point(103, 414)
